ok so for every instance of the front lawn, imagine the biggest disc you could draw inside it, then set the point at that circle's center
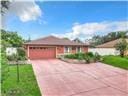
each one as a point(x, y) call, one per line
point(116, 61)
point(27, 86)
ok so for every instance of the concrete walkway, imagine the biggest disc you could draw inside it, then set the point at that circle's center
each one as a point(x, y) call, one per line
point(58, 78)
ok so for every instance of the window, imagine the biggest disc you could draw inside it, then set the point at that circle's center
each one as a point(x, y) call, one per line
point(78, 49)
point(67, 49)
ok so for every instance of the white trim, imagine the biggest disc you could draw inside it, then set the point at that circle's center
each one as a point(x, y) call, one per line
point(66, 49)
point(56, 51)
point(77, 49)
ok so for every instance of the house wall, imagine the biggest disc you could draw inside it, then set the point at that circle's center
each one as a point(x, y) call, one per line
point(104, 51)
point(73, 49)
point(126, 53)
point(85, 49)
point(59, 50)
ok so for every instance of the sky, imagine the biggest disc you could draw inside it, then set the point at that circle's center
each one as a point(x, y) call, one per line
point(81, 19)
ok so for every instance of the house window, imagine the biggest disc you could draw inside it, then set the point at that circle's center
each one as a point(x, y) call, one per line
point(78, 49)
point(67, 49)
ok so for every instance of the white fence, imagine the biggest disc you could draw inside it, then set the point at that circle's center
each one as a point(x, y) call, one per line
point(104, 51)
point(11, 51)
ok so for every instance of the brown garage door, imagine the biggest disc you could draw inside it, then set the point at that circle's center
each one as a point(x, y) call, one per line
point(42, 52)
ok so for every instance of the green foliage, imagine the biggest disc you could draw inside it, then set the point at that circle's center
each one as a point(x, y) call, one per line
point(79, 56)
point(116, 61)
point(88, 57)
point(70, 56)
point(90, 54)
point(12, 57)
point(9, 38)
point(97, 57)
point(27, 86)
point(4, 6)
point(21, 54)
point(122, 47)
point(97, 40)
point(4, 66)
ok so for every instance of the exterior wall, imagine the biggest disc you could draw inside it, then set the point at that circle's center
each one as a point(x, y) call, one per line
point(59, 50)
point(74, 49)
point(11, 51)
point(104, 51)
point(84, 49)
point(126, 53)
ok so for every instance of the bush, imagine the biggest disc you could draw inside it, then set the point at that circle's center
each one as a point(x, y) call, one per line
point(70, 56)
point(88, 57)
point(97, 57)
point(12, 57)
point(80, 56)
point(19, 56)
point(90, 54)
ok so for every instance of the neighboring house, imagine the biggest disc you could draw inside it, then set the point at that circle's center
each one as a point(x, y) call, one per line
point(52, 47)
point(107, 48)
point(10, 51)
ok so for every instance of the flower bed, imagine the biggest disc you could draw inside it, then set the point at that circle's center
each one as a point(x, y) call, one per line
point(74, 61)
point(81, 58)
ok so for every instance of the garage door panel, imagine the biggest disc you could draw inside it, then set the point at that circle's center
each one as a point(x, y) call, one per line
point(42, 53)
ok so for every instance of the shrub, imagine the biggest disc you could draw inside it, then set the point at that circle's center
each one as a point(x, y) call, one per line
point(12, 57)
point(87, 59)
point(70, 56)
point(122, 47)
point(90, 54)
point(97, 57)
point(80, 56)
point(21, 54)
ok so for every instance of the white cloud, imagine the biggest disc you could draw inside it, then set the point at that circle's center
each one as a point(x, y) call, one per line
point(25, 10)
point(87, 30)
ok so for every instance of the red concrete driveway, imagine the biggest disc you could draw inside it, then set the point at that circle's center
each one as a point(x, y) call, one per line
point(58, 78)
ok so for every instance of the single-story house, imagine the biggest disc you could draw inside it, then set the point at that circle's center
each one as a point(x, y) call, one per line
point(52, 47)
point(107, 48)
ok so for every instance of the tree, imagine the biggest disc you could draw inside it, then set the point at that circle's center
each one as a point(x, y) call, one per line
point(97, 40)
point(77, 40)
point(122, 47)
point(9, 38)
point(4, 6)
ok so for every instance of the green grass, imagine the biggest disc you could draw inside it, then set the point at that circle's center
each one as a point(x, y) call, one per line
point(116, 61)
point(27, 85)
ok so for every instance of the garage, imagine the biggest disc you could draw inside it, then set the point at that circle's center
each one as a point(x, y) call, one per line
point(42, 52)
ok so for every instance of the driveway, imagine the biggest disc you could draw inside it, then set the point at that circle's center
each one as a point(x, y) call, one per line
point(58, 78)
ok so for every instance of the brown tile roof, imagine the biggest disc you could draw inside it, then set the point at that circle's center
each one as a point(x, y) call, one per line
point(110, 44)
point(51, 40)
